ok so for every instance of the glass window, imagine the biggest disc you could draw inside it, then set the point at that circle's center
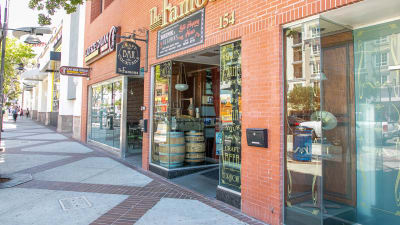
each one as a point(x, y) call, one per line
point(342, 130)
point(106, 114)
point(231, 113)
point(377, 125)
point(56, 92)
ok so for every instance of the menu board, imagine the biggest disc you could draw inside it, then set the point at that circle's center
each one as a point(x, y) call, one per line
point(181, 35)
point(231, 113)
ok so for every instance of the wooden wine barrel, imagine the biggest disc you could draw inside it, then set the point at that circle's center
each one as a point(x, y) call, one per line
point(195, 147)
point(172, 152)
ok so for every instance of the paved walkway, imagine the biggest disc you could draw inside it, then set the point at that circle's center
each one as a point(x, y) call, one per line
point(78, 184)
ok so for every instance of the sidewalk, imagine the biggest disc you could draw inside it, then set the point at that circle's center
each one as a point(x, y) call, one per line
point(78, 184)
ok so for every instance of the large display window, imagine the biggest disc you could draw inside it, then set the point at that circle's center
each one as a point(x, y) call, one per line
point(342, 124)
point(185, 114)
point(105, 114)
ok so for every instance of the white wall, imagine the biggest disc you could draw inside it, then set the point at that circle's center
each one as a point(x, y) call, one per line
point(42, 96)
point(49, 92)
point(72, 107)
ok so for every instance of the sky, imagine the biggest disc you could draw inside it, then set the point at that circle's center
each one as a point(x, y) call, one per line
point(20, 15)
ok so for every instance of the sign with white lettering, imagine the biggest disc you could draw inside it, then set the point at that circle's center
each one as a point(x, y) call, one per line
point(74, 71)
point(182, 35)
point(128, 58)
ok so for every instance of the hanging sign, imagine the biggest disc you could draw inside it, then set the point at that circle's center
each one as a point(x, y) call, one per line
point(182, 35)
point(128, 58)
point(102, 47)
point(74, 71)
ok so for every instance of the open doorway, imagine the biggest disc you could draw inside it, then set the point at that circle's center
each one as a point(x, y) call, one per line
point(135, 92)
point(186, 120)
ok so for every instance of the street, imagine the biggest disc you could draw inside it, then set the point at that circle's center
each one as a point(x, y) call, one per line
point(74, 183)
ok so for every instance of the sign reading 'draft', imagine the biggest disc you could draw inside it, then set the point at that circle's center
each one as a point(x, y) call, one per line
point(128, 58)
point(101, 47)
point(182, 35)
point(74, 71)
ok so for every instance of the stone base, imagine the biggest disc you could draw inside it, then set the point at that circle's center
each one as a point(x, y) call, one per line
point(178, 172)
point(41, 117)
point(229, 197)
point(34, 114)
point(51, 119)
point(76, 127)
point(65, 123)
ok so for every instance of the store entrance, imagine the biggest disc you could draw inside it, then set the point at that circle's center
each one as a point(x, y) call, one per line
point(186, 118)
point(134, 135)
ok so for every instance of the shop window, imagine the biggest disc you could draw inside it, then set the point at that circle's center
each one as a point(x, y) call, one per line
point(341, 131)
point(56, 92)
point(316, 49)
point(315, 68)
point(96, 9)
point(105, 114)
point(381, 59)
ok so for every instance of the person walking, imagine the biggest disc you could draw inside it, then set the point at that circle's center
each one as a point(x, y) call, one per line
point(15, 114)
point(21, 113)
point(27, 113)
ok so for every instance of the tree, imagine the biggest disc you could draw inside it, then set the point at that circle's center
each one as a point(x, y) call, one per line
point(304, 99)
point(15, 53)
point(51, 6)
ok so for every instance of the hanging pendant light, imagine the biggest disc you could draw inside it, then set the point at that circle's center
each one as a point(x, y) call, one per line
point(182, 86)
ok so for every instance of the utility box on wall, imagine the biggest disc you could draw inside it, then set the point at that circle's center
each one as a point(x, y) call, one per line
point(257, 137)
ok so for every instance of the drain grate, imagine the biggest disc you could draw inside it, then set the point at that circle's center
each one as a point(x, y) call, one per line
point(74, 203)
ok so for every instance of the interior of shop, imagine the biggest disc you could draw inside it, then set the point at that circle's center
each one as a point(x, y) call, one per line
point(342, 123)
point(186, 118)
point(135, 92)
point(105, 114)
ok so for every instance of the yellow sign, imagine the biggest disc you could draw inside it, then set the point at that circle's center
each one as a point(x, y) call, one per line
point(172, 13)
point(91, 56)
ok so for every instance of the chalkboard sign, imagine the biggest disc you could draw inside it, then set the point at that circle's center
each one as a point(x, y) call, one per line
point(128, 58)
point(181, 35)
point(231, 113)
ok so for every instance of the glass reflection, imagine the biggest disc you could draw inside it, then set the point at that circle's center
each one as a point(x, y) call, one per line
point(106, 114)
point(303, 124)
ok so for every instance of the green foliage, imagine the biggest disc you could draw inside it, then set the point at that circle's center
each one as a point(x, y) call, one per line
point(51, 6)
point(304, 99)
point(15, 53)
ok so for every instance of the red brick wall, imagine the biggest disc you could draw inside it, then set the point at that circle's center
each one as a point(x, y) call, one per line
point(107, 3)
point(258, 26)
point(96, 8)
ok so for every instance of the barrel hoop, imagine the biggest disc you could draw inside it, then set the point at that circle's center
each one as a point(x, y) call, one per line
point(172, 145)
point(161, 153)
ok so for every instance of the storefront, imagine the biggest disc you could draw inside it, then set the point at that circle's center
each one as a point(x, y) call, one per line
point(342, 120)
point(292, 111)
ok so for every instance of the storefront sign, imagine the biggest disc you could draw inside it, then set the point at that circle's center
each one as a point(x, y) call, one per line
point(182, 35)
point(101, 47)
point(74, 71)
point(230, 111)
point(172, 13)
point(128, 58)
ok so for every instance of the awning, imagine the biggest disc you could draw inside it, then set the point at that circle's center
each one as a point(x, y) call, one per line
point(50, 62)
point(33, 76)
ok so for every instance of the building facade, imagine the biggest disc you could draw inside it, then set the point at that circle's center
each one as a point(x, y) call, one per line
point(293, 102)
point(54, 99)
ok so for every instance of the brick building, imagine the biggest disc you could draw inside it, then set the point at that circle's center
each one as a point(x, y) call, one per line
point(220, 73)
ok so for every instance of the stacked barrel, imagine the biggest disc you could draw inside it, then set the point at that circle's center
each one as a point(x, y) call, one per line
point(195, 147)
